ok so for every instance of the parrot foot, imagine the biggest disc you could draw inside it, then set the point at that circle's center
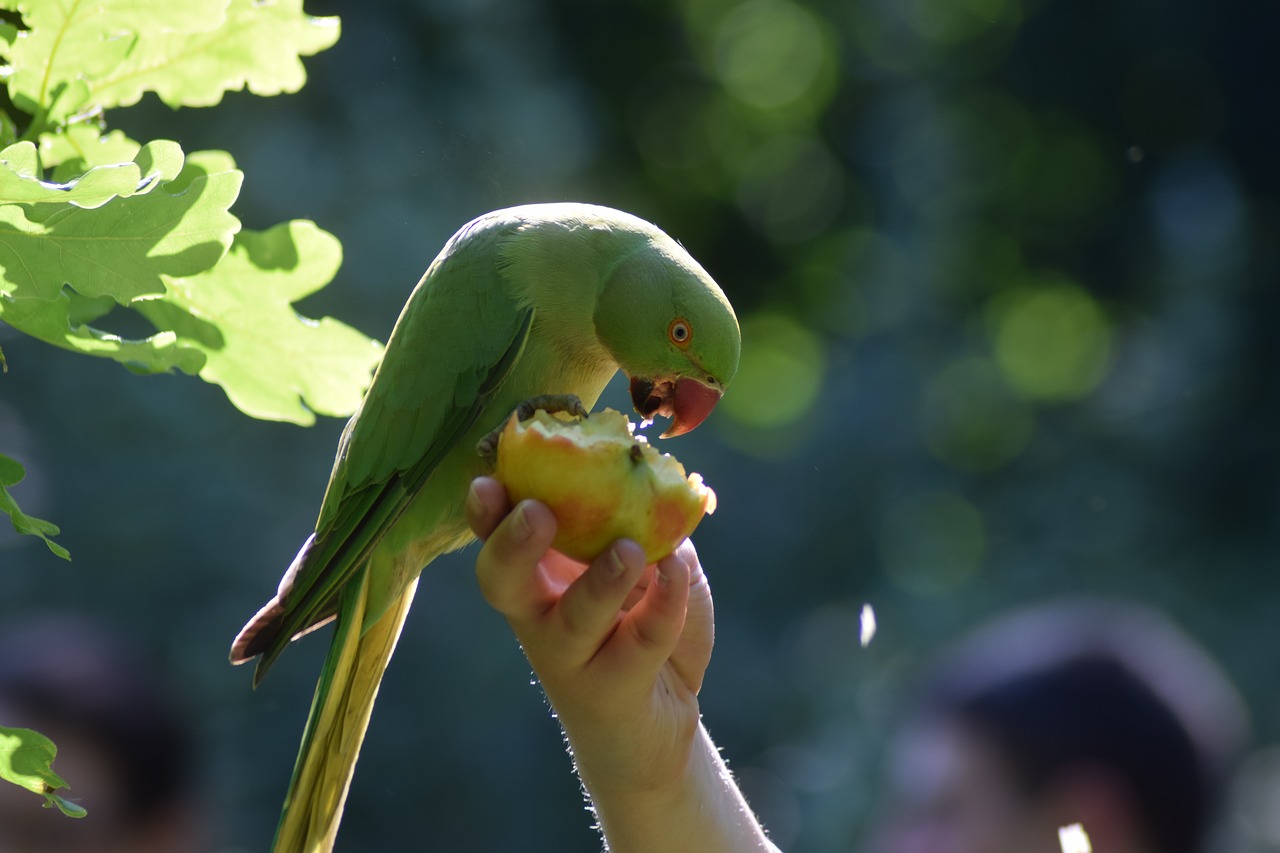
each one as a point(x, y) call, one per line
point(550, 403)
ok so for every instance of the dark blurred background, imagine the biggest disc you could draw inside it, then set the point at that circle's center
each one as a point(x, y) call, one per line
point(1006, 271)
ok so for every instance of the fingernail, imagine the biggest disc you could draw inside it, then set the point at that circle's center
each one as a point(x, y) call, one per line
point(661, 577)
point(474, 505)
point(520, 528)
point(617, 568)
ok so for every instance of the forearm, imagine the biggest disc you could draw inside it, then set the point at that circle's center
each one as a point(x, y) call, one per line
point(700, 810)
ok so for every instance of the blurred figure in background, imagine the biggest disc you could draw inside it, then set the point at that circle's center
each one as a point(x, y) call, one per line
point(123, 747)
point(1097, 713)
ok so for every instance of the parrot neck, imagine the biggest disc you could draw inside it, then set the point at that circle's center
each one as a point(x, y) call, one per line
point(558, 272)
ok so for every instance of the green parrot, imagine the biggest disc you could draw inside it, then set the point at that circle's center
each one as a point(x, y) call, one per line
point(538, 301)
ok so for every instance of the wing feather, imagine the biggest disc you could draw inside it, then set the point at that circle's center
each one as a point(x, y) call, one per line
point(454, 344)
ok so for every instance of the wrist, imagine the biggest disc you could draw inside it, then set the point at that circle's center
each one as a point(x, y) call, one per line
point(637, 761)
point(698, 809)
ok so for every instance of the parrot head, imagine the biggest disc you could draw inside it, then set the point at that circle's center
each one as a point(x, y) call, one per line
point(671, 330)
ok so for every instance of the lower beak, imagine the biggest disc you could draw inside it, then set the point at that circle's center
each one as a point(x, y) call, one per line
point(686, 401)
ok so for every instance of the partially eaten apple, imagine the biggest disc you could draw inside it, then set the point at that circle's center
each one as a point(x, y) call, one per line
point(602, 482)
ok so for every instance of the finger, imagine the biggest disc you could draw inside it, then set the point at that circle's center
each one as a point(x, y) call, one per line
point(507, 566)
point(689, 554)
point(589, 608)
point(486, 505)
point(693, 650)
point(649, 631)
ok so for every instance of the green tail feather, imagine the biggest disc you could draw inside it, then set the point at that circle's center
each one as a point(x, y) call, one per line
point(336, 724)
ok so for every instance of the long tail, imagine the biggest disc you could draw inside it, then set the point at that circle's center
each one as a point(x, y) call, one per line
point(339, 716)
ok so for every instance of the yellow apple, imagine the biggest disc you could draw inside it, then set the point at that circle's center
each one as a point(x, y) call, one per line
point(602, 483)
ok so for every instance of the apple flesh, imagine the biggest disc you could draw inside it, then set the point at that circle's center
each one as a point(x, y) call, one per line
point(601, 482)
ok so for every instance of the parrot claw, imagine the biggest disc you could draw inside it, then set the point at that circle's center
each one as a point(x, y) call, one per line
point(568, 404)
point(550, 403)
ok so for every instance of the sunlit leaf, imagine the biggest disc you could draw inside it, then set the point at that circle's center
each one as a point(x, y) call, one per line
point(121, 248)
point(257, 48)
point(225, 317)
point(64, 266)
point(69, 43)
point(271, 362)
point(20, 181)
point(64, 322)
point(72, 150)
point(26, 759)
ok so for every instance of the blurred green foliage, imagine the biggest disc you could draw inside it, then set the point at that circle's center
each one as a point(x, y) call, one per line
point(1006, 271)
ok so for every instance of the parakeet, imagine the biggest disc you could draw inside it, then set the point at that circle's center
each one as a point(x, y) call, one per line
point(546, 299)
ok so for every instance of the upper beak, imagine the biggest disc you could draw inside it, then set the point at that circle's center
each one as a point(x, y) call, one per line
point(686, 401)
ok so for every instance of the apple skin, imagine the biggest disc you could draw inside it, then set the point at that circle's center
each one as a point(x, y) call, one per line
point(601, 483)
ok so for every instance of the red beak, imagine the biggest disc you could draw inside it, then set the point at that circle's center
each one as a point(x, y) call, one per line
point(686, 401)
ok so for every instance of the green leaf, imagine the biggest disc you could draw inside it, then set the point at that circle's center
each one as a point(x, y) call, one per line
point(11, 473)
point(26, 759)
point(73, 150)
point(82, 56)
point(8, 130)
point(63, 322)
point(227, 317)
point(20, 182)
point(70, 43)
point(61, 267)
point(258, 48)
point(271, 362)
point(65, 806)
point(121, 248)
point(117, 225)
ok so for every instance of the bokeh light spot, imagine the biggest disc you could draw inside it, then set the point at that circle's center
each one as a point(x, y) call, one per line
point(971, 420)
point(1052, 340)
point(956, 21)
point(932, 542)
point(780, 374)
point(791, 187)
point(770, 53)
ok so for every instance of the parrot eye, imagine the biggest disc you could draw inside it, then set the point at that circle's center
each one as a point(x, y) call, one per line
point(680, 332)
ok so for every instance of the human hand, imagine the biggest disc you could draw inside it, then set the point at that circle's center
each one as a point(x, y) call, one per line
point(619, 647)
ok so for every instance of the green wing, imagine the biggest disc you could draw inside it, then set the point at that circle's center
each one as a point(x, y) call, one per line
point(454, 344)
